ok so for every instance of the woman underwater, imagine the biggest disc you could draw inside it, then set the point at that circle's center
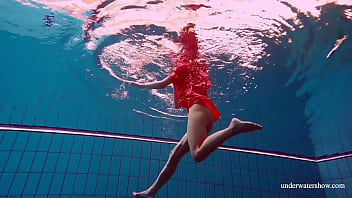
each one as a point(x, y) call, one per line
point(190, 83)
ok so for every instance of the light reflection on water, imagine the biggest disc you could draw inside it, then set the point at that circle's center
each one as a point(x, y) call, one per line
point(233, 35)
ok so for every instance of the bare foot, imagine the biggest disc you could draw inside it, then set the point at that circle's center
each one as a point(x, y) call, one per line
point(239, 126)
point(143, 194)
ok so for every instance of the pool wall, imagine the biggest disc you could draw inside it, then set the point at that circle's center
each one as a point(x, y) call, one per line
point(42, 165)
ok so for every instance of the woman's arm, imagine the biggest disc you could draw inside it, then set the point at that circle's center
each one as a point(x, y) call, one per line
point(152, 85)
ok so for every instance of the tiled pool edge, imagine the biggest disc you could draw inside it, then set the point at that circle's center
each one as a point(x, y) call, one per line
point(66, 131)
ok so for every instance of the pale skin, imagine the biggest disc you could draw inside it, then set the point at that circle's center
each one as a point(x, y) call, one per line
point(195, 140)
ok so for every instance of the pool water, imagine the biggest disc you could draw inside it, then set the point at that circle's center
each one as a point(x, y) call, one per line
point(281, 71)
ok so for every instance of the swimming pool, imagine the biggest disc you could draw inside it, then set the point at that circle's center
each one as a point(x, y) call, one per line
point(71, 129)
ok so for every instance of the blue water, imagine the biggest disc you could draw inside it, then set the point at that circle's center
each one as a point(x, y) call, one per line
point(303, 100)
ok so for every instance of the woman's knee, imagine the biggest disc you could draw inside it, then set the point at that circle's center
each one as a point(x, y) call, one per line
point(174, 158)
point(176, 154)
point(196, 156)
point(171, 153)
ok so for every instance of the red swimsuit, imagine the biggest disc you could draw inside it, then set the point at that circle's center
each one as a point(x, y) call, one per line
point(191, 84)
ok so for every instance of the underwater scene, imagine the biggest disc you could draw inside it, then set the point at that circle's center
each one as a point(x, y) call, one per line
point(73, 123)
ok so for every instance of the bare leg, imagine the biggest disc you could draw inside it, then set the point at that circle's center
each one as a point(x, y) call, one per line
point(199, 124)
point(199, 120)
point(175, 156)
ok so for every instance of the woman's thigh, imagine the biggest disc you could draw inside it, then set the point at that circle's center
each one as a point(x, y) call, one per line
point(199, 125)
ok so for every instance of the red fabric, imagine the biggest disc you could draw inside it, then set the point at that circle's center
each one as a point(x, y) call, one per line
point(195, 6)
point(191, 84)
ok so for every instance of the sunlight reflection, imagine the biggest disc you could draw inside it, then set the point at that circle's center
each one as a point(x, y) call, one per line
point(231, 34)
